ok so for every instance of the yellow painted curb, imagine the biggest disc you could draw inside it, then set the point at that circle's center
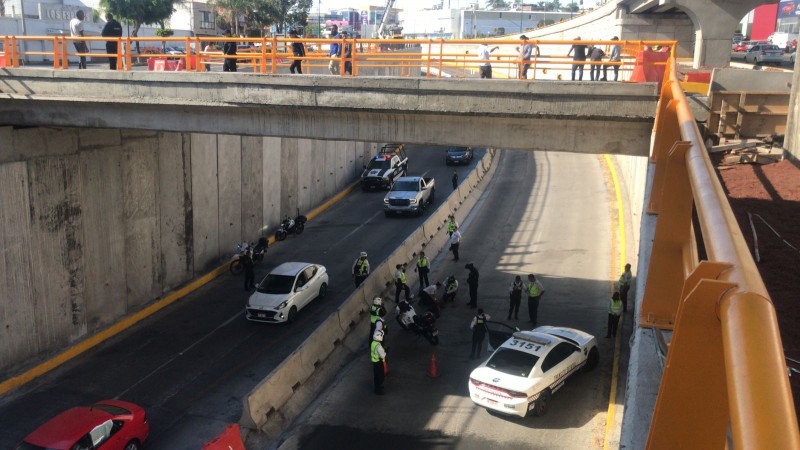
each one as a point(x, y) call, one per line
point(128, 321)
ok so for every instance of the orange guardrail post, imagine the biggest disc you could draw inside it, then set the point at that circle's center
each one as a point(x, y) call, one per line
point(64, 53)
point(14, 54)
point(273, 55)
point(694, 370)
point(128, 51)
point(428, 71)
point(56, 55)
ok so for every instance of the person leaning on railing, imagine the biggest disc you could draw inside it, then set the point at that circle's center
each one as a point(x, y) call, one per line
point(616, 56)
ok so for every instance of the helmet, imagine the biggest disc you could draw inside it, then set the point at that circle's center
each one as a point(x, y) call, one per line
point(378, 336)
point(363, 255)
point(377, 301)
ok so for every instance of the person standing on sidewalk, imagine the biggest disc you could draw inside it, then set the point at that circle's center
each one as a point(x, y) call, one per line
point(478, 327)
point(455, 242)
point(535, 292)
point(378, 357)
point(423, 268)
point(472, 281)
point(625, 286)
point(516, 297)
point(614, 307)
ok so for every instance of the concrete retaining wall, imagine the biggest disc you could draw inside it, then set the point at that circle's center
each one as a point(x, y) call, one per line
point(96, 223)
point(270, 404)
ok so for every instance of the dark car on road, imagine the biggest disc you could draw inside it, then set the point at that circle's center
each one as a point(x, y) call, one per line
point(458, 155)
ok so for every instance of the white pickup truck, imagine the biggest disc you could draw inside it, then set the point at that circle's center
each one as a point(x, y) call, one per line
point(409, 195)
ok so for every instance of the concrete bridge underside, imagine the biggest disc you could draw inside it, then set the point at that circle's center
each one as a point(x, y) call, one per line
point(580, 117)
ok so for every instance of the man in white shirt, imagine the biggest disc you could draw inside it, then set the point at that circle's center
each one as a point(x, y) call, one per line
point(485, 67)
point(455, 241)
point(76, 29)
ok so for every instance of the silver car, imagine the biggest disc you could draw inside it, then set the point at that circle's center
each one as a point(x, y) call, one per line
point(764, 53)
point(285, 291)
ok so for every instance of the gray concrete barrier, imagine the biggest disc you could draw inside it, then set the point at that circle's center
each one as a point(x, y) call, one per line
point(270, 397)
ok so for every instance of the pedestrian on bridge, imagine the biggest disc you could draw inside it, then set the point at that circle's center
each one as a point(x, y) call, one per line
point(360, 269)
point(485, 67)
point(229, 49)
point(624, 286)
point(298, 50)
point(596, 54)
point(614, 307)
point(535, 291)
point(348, 54)
point(111, 29)
point(76, 30)
point(616, 57)
point(472, 282)
point(579, 57)
point(335, 51)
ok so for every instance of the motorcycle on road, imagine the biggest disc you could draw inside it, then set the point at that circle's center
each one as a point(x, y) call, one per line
point(291, 226)
point(259, 251)
point(424, 325)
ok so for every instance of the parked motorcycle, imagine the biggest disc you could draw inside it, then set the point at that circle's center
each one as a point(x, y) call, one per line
point(291, 226)
point(259, 251)
point(424, 325)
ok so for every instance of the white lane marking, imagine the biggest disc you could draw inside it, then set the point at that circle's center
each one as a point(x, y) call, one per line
point(169, 361)
point(361, 226)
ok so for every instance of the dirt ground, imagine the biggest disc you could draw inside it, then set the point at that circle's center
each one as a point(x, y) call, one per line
point(773, 192)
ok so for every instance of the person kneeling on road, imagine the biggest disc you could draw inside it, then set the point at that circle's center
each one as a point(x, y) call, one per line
point(451, 287)
point(427, 297)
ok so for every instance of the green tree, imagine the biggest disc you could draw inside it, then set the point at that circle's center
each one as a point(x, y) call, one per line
point(572, 7)
point(496, 4)
point(140, 12)
point(554, 5)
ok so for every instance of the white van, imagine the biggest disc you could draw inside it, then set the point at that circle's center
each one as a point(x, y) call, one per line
point(782, 40)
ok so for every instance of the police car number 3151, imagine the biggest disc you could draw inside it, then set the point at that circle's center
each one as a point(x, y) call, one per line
point(525, 345)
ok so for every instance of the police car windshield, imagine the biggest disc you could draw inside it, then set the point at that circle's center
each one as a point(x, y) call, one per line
point(382, 164)
point(276, 284)
point(512, 362)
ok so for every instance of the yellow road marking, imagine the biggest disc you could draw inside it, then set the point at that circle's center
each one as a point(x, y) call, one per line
point(129, 321)
point(620, 225)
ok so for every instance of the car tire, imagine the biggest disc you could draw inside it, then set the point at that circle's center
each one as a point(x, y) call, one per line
point(323, 290)
point(592, 360)
point(542, 403)
point(292, 314)
point(237, 267)
point(132, 445)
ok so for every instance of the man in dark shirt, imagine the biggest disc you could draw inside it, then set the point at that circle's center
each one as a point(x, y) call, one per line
point(596, 54)
point(229, 48)
point(111, 29)
point(348, 54)
point(579, 55)
point(299, 50)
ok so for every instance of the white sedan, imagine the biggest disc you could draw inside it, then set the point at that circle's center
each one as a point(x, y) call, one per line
point(529, 367)
point(285, 291)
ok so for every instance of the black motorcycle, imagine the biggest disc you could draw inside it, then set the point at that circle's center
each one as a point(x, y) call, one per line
point(424, 325)
point(258, 250)
point(291, 226)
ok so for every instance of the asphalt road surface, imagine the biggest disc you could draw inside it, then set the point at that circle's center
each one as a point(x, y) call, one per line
point(543, 213)
point(191, 364)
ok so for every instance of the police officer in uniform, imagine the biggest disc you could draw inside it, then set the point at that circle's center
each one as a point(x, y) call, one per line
point(451, 224)
point(360, 269)
point(423, 267)
point(401, 283)
point(614, 307)
point(625, 286)
point(535, 291)
point(378, 357)
point(451, 287)
point(472, 281)
point(376, 318)
point(516, 297)
point(478, 327)
point(249, 274)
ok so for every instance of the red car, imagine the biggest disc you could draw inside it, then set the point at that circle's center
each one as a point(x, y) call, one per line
point(106, 425)
point(740, 47)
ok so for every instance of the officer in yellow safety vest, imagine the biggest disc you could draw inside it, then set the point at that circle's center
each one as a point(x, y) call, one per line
point(423, 267)
point(401, 283)
point(378, 356)
point(535, 292)
point(376, 317)
point(624, 286)
point(451, 224)
point(614, 308)
point(478, 326)
point(360, 269)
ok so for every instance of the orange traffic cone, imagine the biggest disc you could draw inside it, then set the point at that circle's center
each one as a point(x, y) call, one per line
point(433, 371)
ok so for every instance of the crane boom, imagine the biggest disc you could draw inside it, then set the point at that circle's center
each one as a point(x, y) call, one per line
point(389, 4)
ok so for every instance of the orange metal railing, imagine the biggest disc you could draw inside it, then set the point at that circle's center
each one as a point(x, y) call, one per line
point(406, 57)
point(725, 372)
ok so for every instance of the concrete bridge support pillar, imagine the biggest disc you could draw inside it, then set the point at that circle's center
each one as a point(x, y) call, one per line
point(715, 22)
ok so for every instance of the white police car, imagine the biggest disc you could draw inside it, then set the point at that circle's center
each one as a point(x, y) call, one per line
point(529, 367)
point(389, 164)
